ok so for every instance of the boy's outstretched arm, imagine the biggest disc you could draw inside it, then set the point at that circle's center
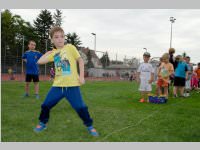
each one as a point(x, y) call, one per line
point(81, 69)
point(44, 58)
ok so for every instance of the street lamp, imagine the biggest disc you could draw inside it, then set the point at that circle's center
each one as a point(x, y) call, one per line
point(94, 41)
point(172, 20)
point(22, 53)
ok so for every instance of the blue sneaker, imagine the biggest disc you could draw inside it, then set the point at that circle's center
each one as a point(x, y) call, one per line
point(92, 131)
point(37, 96)
point(40, 127)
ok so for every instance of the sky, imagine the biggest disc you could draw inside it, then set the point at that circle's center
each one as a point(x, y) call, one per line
point(125, 32)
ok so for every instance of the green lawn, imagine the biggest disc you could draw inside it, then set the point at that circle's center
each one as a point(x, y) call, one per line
point(114, 106)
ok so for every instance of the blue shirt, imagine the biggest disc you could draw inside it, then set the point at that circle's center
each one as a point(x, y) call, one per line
point(32, 57)
point(181, 69)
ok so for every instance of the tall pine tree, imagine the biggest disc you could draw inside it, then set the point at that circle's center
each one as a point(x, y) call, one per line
point(89, 58)
point(58, 18)
point(105, 60)
point(74, 39)
point(43, 24)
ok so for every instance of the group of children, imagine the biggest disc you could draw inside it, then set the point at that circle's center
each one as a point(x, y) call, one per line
point(67, 81)
point(177, 71)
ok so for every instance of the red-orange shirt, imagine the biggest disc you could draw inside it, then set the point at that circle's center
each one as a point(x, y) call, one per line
point(198, 72)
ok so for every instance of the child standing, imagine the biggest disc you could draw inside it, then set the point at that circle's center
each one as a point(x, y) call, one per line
point(67, 81)
point(164, 72)
point(11, 74)
point(31, 57)
point(181, 74)
point(52, 73)
point(194, 81)
point(197, 71)
point(145, 75)
point(188, 81)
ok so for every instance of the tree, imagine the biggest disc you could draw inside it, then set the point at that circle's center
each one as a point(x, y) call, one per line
point(105, 60)
point(24, 31)
point(7, 32)
point(13, 30)
point(74, 39)
point(42, 25)
point(58, 18)
point(89, 58)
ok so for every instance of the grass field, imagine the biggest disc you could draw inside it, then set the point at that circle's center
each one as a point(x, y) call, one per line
point(114, 106)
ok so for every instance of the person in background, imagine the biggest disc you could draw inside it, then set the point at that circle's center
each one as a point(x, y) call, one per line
point(181, 75)
point(52, 73)
point(197, 71)
point(164, 72)
point(188, 80)
point(30, 57)
point(11, 73)
point(145, 76)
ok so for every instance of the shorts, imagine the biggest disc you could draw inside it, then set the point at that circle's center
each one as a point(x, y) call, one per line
point(188, 84)
point(178, 81)
point(30, 77)
point(162, 83)
point(145, 86)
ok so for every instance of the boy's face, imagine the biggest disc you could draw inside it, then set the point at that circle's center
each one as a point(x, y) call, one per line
point(146, 58)
point(187, 60)
point(58, 39)
point(31, 45)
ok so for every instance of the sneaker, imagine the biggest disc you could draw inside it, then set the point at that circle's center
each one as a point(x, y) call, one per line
point(142, 100)
point(188, 94)
point(40, 127)
point(175, 95)
point(185, 94)
point(37, 96)
point(92, 131)
point(26, 95)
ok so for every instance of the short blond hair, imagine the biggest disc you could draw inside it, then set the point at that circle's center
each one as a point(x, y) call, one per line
point(165, 56)
point(179, 58)
point(55, 29)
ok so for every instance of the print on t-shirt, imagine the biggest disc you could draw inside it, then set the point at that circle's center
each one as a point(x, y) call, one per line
point(62, 64)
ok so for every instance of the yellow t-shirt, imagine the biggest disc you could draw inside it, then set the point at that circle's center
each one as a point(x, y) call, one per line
point(65, 61)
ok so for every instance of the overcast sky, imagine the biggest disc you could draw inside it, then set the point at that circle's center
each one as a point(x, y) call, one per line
point(126, 32)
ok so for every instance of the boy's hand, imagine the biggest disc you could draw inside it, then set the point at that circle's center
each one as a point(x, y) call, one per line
point(81, 80)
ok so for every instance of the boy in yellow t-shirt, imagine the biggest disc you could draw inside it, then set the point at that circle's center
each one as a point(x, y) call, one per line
point(67, 81)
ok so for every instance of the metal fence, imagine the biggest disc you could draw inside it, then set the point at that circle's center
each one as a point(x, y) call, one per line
point(19, 67)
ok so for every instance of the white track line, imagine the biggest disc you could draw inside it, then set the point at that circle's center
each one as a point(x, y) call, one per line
point(140, 121)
